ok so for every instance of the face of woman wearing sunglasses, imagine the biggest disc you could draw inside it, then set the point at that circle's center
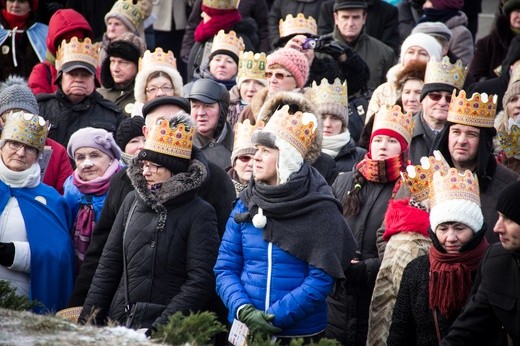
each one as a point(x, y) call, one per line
point(244, 167)
point(279, 79)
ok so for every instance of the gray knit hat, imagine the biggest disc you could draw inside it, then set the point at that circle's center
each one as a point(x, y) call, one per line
point(16, 94)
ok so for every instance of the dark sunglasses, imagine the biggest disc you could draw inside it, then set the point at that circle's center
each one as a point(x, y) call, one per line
point(245, 158)
point(278, 75)
point(438, 96)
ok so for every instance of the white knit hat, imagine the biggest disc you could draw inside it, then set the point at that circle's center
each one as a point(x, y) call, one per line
point(427, 42)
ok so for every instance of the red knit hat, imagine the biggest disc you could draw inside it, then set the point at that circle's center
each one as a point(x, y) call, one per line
point(293, 61)
point(391, 133)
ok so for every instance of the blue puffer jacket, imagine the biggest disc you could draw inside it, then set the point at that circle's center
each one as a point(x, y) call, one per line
point(75, 199)
point(250, 270)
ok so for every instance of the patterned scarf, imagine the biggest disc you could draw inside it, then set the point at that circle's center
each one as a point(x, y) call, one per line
point(381, 171)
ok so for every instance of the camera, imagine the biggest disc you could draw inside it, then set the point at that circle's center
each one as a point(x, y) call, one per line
point(323, 44)
point(310, 43)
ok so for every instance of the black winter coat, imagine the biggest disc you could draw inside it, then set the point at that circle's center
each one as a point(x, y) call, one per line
point(171, 245)
point(349, 156)
point(66, 117)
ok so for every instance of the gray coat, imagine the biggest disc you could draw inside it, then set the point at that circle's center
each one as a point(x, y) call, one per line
point(218, 152)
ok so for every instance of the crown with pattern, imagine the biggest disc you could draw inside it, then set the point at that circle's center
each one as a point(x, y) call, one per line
point(454, 185)
point(129, 11)
point(297, 25)
point(444, 72)
point(298, 129)
point(230, 42)
point(77, 51)
point(26, 128)
point(478, 111)
point(335, 93)
point(244, 132)
point(252, 65)
point(176, 141)
point(419, 178)
point(158, 58)
point(392, 118)
point(510, 141)
point(221, 4)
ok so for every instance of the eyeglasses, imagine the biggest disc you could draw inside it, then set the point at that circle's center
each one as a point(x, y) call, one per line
point(278, 75)
point(150, 166)
point(438, 96)
point(154, 89)
point(245, 158)
point(29, 151)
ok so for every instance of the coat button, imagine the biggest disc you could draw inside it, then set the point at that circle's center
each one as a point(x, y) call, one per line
point(152, 244)
point(211, 145)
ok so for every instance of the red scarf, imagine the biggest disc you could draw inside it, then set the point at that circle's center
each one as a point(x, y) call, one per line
point(451, 278)
point(220, 20)
point(14, 20)
point(381, 171)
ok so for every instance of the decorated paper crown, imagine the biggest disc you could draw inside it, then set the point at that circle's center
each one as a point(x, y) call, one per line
point(510, 142)
point(230, 42)
point(158, 58)
point(444, 72)
point(76, 51)
point(298, 129)
point(335, 93)
point(392, 118)
point(244, 132)
point(454, 185)
point(297, 25)
point(26, 128)
point(130, 11)
point(419, 178)
point(251, 65)
point(221, 4)
point(478, 111)
point(176, 141)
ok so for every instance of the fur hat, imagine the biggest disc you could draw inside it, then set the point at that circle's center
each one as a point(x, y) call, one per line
point(90, 137)
point(128, 129)
point(426, 42)
point(293, 61)
point(16, 94)
point(508, 202)
point(415, 70)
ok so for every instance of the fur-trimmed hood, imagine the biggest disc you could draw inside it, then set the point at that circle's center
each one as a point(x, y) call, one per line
point(258, 101)
point(297, 102)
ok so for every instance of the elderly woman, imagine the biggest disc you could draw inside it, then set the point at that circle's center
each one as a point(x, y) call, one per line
point(435, 287)
point(164, 241)
point(96, 157)
point(409, 82)
point(35, 247)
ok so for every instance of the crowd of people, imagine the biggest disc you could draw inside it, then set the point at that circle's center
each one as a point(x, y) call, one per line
point(342, 169)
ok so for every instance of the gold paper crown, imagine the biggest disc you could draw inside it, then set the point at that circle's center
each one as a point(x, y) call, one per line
point(454, 185)
point(478, 111)
point(26, 128)
point(230, 42)
point(176, 141)
point(244, 132)
point(158, 58)
point(445, 72)
point(297, 25)
point(298, 129)
point(509, 142)
point(252, 65)
point(335, 93)
point(76, 51)
point(392, 118)
point(130, 11)
point(515, 76)
point(419, 178)
point(221, 4)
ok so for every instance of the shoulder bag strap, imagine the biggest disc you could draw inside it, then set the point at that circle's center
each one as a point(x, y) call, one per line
point(125, 271)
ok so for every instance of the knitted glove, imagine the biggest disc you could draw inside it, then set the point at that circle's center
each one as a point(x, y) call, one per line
point(257, 321)
point(6, 254)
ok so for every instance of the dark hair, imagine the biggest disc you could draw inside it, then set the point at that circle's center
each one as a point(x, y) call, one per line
point(156, 74)
point(364, 139)
point(352, 199)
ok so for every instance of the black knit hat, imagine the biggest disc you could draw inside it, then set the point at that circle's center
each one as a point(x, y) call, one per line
point(128, 129)
point(508, 202)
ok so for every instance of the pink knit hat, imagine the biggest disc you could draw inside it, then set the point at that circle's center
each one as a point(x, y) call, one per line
point(293, 61)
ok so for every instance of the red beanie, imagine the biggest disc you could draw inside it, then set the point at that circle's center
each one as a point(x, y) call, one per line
point(391, 133)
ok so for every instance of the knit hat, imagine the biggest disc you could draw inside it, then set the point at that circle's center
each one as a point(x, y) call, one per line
point(508, 202)
point(169, 143)
point(426, 42)
point(128, 129)
point(331, 99)
point(455, 197)
point(90, 137)
point(132, 16)
point(391, 121)
point(349, 4)
point(447, 4)
point(16, 94)
point(293, 61)
point(166, 100)
point(513, 88)
point(433, 29)
point(510, 6)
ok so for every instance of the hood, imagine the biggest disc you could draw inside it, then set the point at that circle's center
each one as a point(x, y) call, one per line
point(302, 104)
point(62, 22)
point(258, 101)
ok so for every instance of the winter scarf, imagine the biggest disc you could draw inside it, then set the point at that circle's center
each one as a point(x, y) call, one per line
point(14, 20)
point(220, 20)
point(381, 171)
point(300, 217)
point(438, 15)
point(203, 72)
point(451, 278)
point(28, 178)
point(332, 145)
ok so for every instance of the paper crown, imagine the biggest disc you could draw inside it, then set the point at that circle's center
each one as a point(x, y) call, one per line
point(230, 42)
point(297, 25)
point(26, 128)
point(335, 93)
point(130, 11)
point(444, 72)
point(419, 178)
point(221, 4)
point(244, 132)
point(176, 141)
point(158, 58)
point(454, 185)
point(298, 129)
point(392, 118)
point(515, 75)
point(509, 142)
point(251, 65)
point(76, 51)
point(478, 111)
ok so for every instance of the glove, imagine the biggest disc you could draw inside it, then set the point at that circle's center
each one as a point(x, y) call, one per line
point(6, 254)
point(257, 321)
point(356, 273)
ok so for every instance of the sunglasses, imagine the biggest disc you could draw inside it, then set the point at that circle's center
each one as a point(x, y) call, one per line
point(278, 75)
point(438, 96)
point(244, 158)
